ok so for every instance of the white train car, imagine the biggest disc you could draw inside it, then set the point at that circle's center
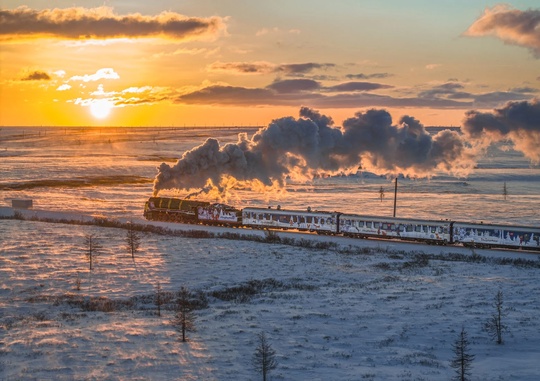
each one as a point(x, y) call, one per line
point(218, 214)
point(438, 232)
point(321, 222)
point(487, 236)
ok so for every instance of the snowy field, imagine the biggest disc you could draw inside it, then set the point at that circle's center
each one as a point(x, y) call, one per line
point(388, 311)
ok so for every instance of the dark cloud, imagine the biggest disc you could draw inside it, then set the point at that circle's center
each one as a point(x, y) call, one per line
point(308, 92)
point(516, 121)
point(294, 85)
point(265, 67)
point(357, 86)
point(452, 91)
point(302, 68)
point(496, 98)
point(243, 67)
point(37, 76)
point(101, 23)
point(447, 90)
point(231, 95)
point(311, 145)
point(524, 90)
point(368, 76)
point(510, 25)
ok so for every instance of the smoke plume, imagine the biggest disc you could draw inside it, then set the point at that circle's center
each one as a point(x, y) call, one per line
point(310, 145)
point(516, 121)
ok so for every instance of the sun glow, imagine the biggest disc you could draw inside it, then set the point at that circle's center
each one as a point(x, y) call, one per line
point(101, 108)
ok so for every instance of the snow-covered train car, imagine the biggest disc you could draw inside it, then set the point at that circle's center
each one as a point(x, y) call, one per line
point(321, 222)
point(438, 232)
point(219, 214)
point(487, 236)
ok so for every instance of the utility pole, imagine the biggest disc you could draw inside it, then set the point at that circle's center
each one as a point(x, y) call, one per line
point(395, 197)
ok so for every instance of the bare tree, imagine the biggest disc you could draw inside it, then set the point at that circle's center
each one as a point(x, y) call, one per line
point(91, 249)
point(462, 362)
point(133, 240)
point(505, 191)
point(159, 298)
point(264, 358)
point(381, 193)
point(494, 325)
point(184, 318)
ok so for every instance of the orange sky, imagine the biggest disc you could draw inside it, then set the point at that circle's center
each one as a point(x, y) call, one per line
point(246, 63)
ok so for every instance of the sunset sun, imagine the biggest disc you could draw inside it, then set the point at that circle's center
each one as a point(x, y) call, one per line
point(101, 108)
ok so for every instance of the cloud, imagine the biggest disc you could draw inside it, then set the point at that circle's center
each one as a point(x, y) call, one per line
point(36, 76)
point(357, 86)
point(307, 92)
point(294, 85)
point(516, 121)
point(263, 67)
point(131, 96)
point(433, 66)
point(368, 76)
point(454, 91)
point(302, 68)
point(260, 67)
point(524, 90)
point(231, 96)
point(63, 87)
point(496, 98)
point(449, 90)
point(512, 26)
point(311, 145)
point(103, 23)
point(105, 73)
point(60, 73)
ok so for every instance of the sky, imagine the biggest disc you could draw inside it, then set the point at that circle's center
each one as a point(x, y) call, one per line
point(240, 62)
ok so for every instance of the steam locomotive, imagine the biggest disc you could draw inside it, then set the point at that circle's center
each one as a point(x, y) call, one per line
point(442, 232)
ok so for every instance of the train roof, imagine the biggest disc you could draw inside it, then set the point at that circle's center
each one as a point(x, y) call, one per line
point(480, 225)
point(289, 211)
point(392, 219)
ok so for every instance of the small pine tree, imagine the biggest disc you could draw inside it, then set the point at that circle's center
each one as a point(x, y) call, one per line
point(494, 325)
point(78, 282)
point(91, 249)
point(184, 318)
point(133, 240)
point(264, 358)
point(381, 193)
point(462, 362)
point(505, 191)
point(159, 298)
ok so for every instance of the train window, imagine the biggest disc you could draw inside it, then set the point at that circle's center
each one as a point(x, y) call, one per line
point(393, 227)
point(409, 228)
point(418, 228)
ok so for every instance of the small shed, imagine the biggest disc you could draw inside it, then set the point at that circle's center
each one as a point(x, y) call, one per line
point(21, 204)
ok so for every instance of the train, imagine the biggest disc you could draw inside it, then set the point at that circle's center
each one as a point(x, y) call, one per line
point(439, 232)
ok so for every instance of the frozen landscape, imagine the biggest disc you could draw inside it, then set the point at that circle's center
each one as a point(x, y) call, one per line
point(353, 310)
point(370, 310)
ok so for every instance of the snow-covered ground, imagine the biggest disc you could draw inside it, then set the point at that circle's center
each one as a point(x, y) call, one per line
point(378, 314)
